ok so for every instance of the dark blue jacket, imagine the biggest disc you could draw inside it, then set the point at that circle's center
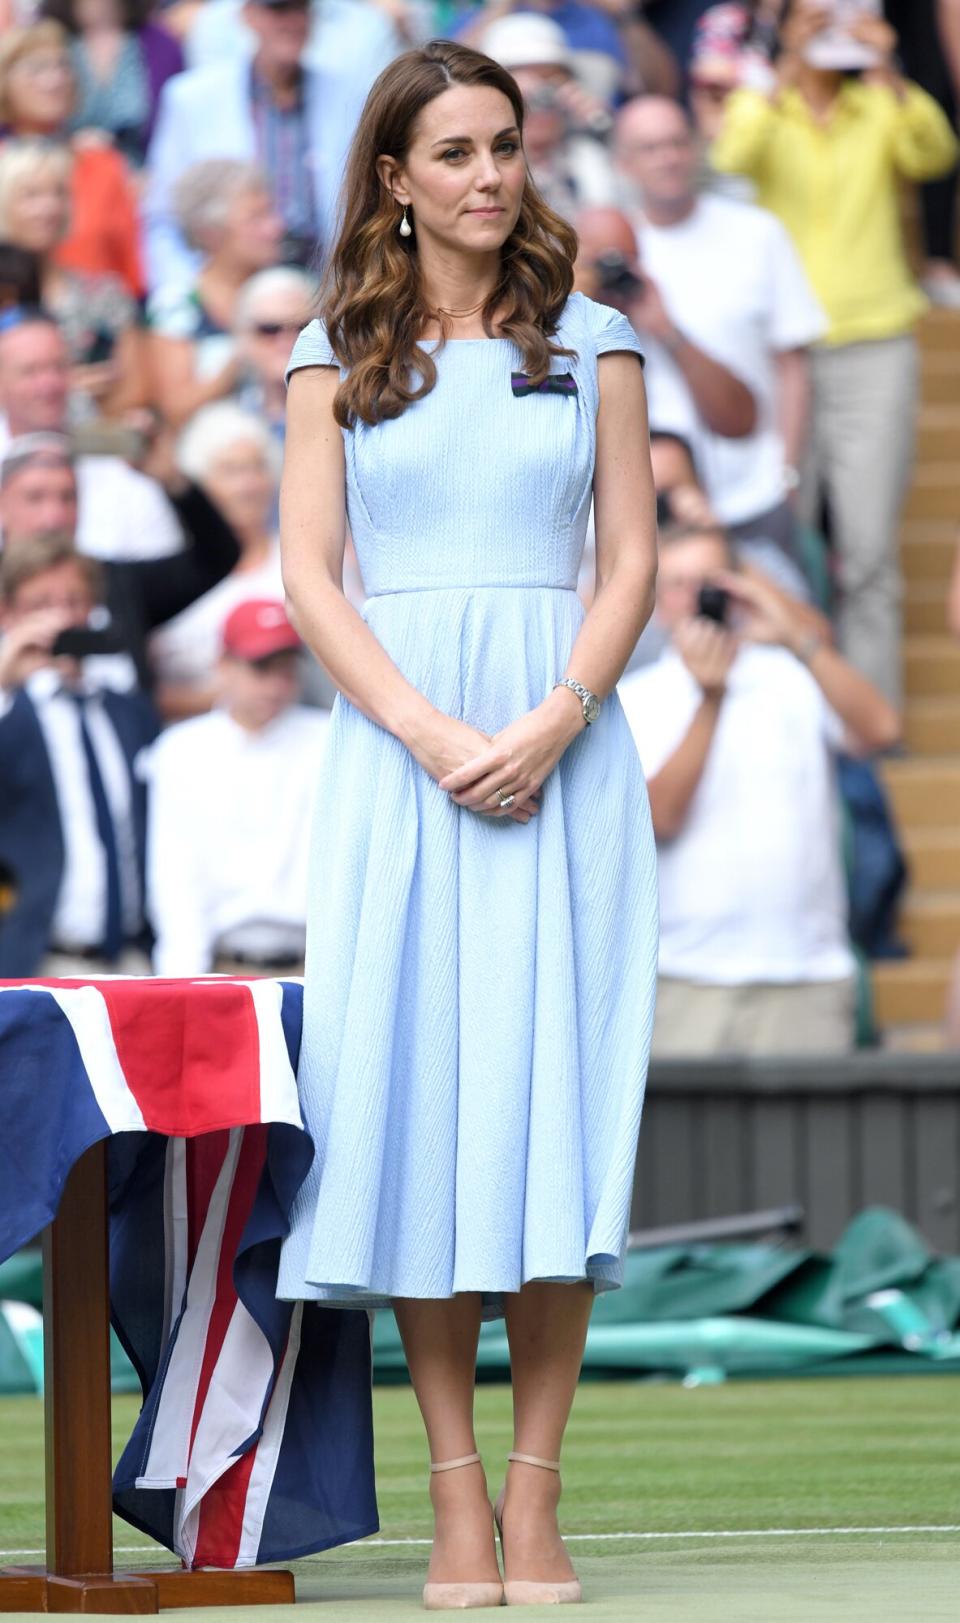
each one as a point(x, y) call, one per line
point(31, 834)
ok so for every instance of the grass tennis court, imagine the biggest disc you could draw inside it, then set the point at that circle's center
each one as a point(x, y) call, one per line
point(781, 1473)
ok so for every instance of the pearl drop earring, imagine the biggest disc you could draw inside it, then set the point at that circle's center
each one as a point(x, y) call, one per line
point(406, 229)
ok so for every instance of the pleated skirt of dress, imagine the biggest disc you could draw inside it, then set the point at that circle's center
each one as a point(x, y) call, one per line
point(479, 994)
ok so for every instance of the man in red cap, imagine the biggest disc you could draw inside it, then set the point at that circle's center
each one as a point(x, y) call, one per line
point(230, 805)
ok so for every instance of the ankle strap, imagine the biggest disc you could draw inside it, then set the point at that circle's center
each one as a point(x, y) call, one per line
point(531, 1459)
point(452, 1465)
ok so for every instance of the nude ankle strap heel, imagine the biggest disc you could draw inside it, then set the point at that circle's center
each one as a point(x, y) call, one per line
point(459, 1597)
point(523, 1592)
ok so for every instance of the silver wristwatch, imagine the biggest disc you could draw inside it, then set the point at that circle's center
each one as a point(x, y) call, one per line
point(589, 701)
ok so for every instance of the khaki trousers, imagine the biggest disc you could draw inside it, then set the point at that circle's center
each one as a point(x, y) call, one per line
point(815, 1017)
point(860, 456)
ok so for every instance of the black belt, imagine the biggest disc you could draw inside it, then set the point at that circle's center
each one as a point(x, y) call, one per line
point(88, 954)
point(250, 962)
point(97, 953)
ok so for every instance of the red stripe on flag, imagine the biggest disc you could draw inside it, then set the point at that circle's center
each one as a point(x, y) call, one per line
point(204, 1162)
point(190, 1054)
point(221, 1515)
point(246, 1180)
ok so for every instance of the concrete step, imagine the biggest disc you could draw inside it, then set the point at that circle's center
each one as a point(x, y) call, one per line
point(930, 925)
point(918, 1038)
point(931, 666)
point(935, 489)
point(939, 329)
point(929, 558)
point(911, 992)
point(940, 376)
point(928, 529)
point(932, 726)
point(924, 793)
point(925, 607)
point(938, 433)
point(933, 856)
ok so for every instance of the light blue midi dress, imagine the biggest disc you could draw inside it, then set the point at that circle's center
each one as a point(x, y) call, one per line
point(479, 993)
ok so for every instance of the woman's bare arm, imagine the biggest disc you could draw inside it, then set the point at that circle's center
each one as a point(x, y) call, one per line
point(312, 540)
point(177, 390)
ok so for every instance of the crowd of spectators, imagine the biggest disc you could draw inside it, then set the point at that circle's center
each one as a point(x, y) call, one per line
point(169, 179)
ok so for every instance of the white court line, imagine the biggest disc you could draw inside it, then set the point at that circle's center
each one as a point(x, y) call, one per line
point(743, 1532)
point(599, 1538)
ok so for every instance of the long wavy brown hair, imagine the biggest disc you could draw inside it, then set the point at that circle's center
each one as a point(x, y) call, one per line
point(372, 301)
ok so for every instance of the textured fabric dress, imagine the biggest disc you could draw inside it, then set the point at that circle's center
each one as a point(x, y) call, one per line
point(479, 993)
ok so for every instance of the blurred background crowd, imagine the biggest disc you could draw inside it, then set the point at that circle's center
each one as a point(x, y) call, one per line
point(767, 191)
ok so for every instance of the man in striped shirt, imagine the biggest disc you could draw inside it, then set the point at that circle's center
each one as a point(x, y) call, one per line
point(295, 121)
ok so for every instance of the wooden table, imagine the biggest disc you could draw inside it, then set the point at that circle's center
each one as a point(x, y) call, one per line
point(79, 1575)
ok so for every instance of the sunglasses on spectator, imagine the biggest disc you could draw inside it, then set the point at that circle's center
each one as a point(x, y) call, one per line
point(273, 329)
point(709, 87)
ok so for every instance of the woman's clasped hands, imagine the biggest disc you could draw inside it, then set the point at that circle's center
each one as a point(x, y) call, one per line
point(476, 769)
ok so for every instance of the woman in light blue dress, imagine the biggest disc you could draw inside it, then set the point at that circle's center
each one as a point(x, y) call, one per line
point(481, 953)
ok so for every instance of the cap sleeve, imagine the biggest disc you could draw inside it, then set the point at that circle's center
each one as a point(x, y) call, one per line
point(612, 331)
point(312, 348)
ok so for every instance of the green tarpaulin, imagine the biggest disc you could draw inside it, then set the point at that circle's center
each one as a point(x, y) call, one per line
point(881, 1301)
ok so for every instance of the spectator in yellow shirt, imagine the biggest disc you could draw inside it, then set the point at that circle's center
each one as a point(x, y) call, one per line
point(826, 151)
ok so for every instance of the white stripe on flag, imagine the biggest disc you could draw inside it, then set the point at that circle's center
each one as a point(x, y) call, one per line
point(169, 1454)
point(87, 1013)
point(279, 1100)
point(268, 1449)
point(238, 1387)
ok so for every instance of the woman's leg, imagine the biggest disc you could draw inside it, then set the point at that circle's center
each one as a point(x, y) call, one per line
point(440, 1342)
point(546, 1329)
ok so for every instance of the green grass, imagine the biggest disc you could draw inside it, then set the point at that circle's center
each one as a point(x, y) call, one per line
point(641, 1458)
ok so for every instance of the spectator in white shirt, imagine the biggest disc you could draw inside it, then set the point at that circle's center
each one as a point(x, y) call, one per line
point(696, 388)
point(681, 500)
point(732, 280)
point(234, 457)
point(122, 514)
point(737, 726)
point(231, 794)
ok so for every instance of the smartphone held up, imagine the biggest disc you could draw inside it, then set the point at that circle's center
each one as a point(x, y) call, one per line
point(836, 47)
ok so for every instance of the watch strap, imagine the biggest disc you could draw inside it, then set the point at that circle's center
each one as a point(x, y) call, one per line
point(587, 699)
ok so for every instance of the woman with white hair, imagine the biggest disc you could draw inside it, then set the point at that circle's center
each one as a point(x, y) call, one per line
point(271, 309)
point(225, 209)
point(95, 312)
point(234, 458)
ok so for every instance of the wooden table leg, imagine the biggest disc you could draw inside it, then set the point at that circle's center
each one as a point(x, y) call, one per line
point(76, 1367)
point(79, 1576)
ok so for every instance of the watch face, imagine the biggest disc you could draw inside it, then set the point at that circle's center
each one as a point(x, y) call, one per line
point(591, 708)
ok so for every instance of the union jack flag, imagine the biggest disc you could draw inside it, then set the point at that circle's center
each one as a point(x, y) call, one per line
point(254, 1443)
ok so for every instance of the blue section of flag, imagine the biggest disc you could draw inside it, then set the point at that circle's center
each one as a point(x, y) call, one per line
point(50, 1112)
point(323, 1494)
